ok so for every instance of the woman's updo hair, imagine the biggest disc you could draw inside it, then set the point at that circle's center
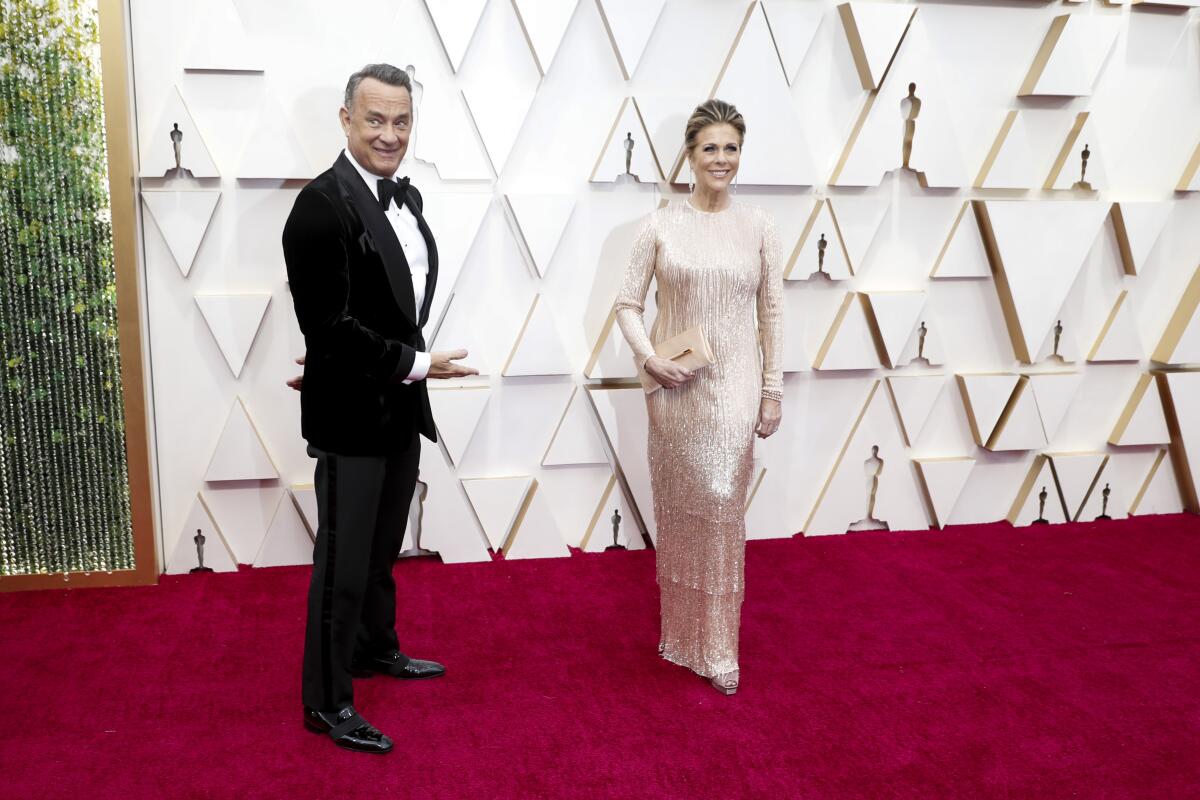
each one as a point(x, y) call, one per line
point(713, 112)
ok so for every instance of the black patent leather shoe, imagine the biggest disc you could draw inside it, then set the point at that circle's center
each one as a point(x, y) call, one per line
point(397, 665)
point(348, 729)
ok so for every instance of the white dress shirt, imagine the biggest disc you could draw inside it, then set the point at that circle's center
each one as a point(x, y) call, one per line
point(409, 234)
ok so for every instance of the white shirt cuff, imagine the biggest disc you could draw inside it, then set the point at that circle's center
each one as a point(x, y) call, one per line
point(420, 367)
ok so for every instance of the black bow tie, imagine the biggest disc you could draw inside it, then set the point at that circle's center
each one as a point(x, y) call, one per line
point(391, 190)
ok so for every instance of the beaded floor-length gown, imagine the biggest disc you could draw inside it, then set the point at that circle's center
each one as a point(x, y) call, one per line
point(713, 269)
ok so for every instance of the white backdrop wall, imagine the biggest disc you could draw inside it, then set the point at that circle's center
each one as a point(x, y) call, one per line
point(512, 150)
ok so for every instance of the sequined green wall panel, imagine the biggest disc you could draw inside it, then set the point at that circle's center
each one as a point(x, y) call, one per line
point(64, 491)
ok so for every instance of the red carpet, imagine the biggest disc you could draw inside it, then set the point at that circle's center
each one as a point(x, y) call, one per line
point(977, 662)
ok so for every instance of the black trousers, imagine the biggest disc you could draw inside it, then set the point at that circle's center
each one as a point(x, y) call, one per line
point(362, 510)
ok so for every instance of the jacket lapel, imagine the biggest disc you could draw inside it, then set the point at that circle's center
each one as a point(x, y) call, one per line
point(380, 236)
point(431, 247)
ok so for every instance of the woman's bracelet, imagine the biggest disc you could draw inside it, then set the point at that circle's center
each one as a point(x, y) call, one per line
point(773, 394)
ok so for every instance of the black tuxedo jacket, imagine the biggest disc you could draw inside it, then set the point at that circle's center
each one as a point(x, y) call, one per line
point(353, 295)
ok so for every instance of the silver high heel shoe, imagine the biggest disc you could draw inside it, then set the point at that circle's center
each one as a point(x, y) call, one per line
point(726, 683)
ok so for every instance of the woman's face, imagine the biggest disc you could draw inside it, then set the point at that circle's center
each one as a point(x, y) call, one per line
point(715, 157)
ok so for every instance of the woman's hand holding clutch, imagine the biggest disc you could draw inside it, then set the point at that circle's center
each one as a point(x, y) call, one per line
point(769, 413)
point(667, 372)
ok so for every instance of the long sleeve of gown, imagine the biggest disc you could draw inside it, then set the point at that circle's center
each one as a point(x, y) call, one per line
point(631, 299)
point(770, 313)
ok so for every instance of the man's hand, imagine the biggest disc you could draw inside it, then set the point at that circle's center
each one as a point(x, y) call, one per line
point(667, 372)
point(442, 365)
point(769, 413)
point(297, 382)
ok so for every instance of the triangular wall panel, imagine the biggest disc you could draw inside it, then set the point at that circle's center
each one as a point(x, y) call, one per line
point(753, 74)
point(1036, 249)
point(1181, 401)
point(876, 142)
point(1141, 420)
point(455, 22)
point(287, 541)
point(305, 498)
point(539, 349)
point(793, 26)
point(963, 255)
point(217, 555)
point(1159, 492)
point(445, 136)
point(544, 22)
point(1137, 227)
point(914, 396)
point(244, 513)
point(454, 218)
point(820, 248)
point(1076, 475)
point(985, 397)
point(534, 533)
point(1054, 392)
point(575, 495)
point(1190, 180)
point(460, 329)
point(600, 532)
point(612, 356)
point(629, 24)
point(1124, 476)
point(924, 342)
point(1038, 497)
point(182, 218)
point(233, 320)
point(1009, 163)
point(456, 412)
point(497, 502)
point(943, 480)
point(541, 218)
point(1071, 56)
point(500, 84)
point(1020, 427)
point(1118, 339)
point(622, 413)
point(273, 151)
point(1083, 145)
point(643, 163)
point(240, 454)
point(448, 524)
point(156, 149)
point(874, 32)
point(896, 316)
point(850, 342)
point(1059, 345)
point(858, 221)
point(219, 42)
point(845, 497)
point(1180, 341)
point(576, 440)
point(770, 512)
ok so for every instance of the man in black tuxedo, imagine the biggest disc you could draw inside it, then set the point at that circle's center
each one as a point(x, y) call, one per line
point(362, 265)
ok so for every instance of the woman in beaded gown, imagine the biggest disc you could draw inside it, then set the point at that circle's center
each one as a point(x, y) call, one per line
point(716, 263)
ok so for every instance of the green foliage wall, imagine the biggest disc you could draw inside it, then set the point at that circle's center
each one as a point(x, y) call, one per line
point(64, 491)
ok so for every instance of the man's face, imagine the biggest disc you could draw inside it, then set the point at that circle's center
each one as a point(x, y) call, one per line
point(377, 125)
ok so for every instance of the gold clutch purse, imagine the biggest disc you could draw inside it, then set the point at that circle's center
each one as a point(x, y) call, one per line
point(689, 350)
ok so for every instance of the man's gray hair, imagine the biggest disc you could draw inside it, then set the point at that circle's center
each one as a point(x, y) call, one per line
point(384, 73)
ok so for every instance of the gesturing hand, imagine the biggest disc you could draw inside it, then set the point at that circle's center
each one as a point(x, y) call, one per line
point(667, 372)
point(442, 365)
point(769, 413)
point(297, 382)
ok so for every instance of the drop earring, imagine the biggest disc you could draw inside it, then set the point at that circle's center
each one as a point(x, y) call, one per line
point(735, 183)
point(691, 179)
